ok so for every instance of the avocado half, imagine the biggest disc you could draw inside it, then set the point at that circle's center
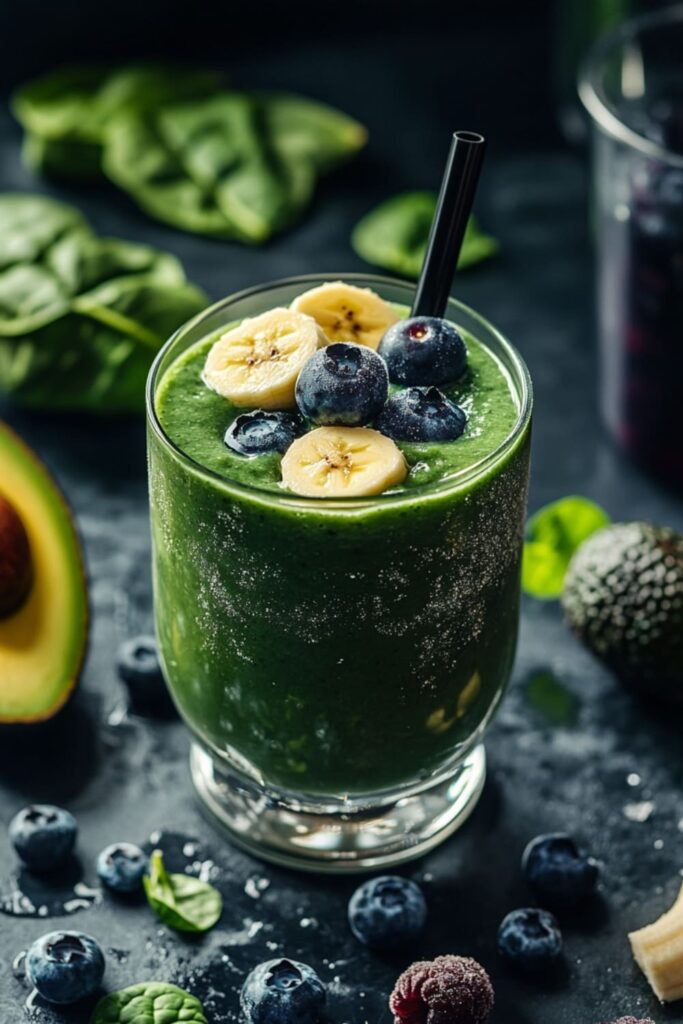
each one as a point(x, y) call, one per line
point(42, 641)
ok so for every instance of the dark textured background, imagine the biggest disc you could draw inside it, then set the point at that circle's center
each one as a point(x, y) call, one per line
point(564, 767)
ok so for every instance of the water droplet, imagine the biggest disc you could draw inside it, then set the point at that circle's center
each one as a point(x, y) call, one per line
point(633, 779)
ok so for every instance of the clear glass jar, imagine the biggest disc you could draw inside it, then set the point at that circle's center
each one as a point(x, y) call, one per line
point(632, 87)
point(337, 661)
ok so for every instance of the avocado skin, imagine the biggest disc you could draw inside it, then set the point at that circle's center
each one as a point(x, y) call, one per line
point(623, 598)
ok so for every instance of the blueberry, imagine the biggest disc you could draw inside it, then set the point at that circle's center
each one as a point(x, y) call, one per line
point(139, 668)
point(423, 350)
point(557, 871)
point(65, 966)
point(530, 939)
point(121, 867)
point(387, 912)
point(282, 992)
point(261, 431)
point(421, 414)
point(342, 384)
point(43, 835)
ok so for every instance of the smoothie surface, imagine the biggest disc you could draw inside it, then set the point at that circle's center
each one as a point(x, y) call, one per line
point(195, 418)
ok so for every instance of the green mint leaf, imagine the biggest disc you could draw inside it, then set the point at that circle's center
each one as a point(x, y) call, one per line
point(151, 1002)
point(554, 533)
point(394, 235)
point(181, 901)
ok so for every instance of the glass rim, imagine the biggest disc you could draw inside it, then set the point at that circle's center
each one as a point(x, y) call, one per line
point(594, 97)
point(453, 482)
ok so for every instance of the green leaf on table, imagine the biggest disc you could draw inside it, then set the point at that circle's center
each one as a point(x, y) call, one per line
point(150, 1002)
point(181, 901)
point(66, 113)
point(303, 130)
point(553, 534)
point(81, 317)
point(394, 235)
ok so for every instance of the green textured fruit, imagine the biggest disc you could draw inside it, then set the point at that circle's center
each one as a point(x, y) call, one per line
point(623, 597)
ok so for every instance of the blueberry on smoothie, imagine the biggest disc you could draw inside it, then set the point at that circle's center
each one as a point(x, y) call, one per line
point(421, 414)
point(423, 350)
point(65, 966)
point(530, 939)
point(139, 668)
point(343, 385)
point(557, 871)
point(43, 835)
point(121, 867)
point(387, 912)
point(260, 432)
point(282, 992)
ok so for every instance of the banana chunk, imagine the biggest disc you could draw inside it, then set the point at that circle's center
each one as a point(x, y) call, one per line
point(257, 363)
point(347, 313)
point(342, 462)
point(658, 951)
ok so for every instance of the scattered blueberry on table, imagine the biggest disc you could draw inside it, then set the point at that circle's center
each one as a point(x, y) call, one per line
point(282, 992)
point(342, 385)
point(65, 966)
point(121, 867)
point(261, 431)
point(43, 835)
point(423, 350)
point(447, 990)
point(387, 912)
point(421, 414)
point(557, 871)
point(530, 939)
point(139, 668)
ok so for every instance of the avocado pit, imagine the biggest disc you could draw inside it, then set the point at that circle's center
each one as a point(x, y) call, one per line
point(16, 565)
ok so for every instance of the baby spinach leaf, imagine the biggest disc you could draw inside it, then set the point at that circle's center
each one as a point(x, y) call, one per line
point(66, 113)
point(554, 533)
point(306, 131)
point(81, 317)
point(394, 235)
point(181, 901)
point(150, 1002)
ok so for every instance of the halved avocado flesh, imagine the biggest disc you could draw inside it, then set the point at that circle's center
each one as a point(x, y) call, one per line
point(43, 642)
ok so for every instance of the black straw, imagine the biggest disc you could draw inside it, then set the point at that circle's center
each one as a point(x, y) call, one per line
point(450, 221)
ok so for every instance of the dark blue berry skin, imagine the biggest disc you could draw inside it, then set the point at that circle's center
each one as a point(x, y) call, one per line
point(387, 912)
point(423, 350)
point(421, 415)
point(530, 939)
point(139, 668)
point(282, 992)
point(65, 966)
point(342, 384)
point(122, 866)
point(557, 871)
point(43, 835)
point(260, 432)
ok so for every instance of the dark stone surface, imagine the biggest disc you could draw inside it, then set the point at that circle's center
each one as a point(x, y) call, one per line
point(125, 777)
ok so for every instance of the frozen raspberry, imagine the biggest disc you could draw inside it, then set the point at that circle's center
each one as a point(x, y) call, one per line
point(448, 990)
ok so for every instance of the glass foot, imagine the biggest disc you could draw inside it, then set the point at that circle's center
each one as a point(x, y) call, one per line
point(340, 838)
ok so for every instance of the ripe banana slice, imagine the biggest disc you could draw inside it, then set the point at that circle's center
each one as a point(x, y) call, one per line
point(658, 950)
point(348, 313)
point(257, 363)
point(342, 462)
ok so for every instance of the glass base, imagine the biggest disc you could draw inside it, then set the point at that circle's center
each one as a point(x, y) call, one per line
point(333, 839)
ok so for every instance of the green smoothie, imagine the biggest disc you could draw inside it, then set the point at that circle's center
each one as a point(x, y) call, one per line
point(338, 648)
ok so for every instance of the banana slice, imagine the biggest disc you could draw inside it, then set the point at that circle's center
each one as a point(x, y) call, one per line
point(257, 363)
point(658, 951)
point(342, 462)
point(347, 313)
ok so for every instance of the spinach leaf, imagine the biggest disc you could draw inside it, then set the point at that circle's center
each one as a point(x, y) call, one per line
point(150, 1002)
point(394, 235)
point(231, 165)
point(66, 113)
point(554, 533)
point(181, 901)
point(81, 317)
